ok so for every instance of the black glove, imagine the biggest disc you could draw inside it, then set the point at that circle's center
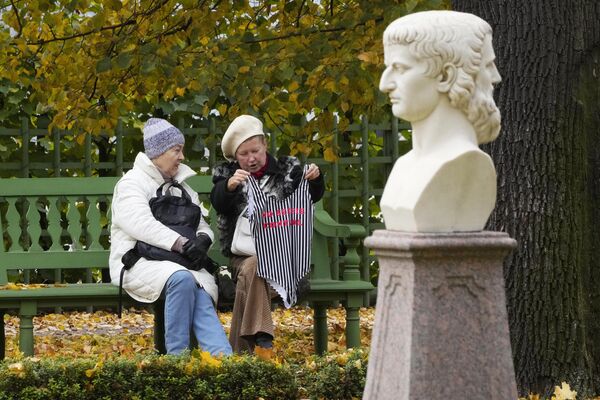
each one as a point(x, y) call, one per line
point(209, 264)
point(196, 249)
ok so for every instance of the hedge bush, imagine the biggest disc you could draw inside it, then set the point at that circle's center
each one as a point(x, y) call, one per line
point(190, 376)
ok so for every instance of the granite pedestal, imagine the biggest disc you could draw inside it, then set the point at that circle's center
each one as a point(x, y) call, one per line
point(441, 329)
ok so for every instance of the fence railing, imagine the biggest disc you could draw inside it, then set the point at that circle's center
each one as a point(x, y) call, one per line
point(355, 179)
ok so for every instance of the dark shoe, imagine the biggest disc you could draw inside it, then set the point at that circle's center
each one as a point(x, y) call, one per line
point(263, 340)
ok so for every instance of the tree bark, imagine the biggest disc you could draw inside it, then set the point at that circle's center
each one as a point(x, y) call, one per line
point(548, 163)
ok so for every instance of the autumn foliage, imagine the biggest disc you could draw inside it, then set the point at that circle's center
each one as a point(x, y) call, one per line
point(89, 64)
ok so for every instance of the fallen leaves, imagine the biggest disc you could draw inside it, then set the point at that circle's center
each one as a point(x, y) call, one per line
point(564, 392)
point(72, 334)
point(30, 286)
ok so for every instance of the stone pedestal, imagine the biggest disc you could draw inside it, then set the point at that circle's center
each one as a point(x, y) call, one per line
point(441, 328)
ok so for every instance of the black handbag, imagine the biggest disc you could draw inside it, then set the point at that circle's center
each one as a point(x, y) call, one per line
point(179, 214)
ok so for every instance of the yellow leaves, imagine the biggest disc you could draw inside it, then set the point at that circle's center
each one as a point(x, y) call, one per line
point(141, 341)
point(92, 371)
point(293, 86)
point(329, 155)
point(80, 139)
point(190, 367)
point(243, 69)
point(330, 85)
point(180, 91)
point(369, 57)
point(204, 40)
point(209, 360)
point(342, 359)
point(263, 353)
point(10, 286)
point(302, 148)
point(222, 108)
point(143, 364)
point(200, 360)
point(564, 392)
point(17, 369)
point(23, 286)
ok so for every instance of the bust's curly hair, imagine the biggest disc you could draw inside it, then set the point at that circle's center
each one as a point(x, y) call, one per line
point(439, 37)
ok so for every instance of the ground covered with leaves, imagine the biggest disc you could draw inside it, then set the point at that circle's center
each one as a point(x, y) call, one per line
point(87, 334)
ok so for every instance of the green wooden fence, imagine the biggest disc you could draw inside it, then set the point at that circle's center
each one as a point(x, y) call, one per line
point(355, 179)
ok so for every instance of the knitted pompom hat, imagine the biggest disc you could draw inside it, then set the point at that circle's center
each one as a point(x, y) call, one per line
point(160, 136)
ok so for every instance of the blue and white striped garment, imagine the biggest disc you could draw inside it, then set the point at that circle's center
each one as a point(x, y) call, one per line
point(282, 232)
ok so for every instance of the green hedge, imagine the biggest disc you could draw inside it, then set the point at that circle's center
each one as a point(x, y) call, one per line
point(191, 376)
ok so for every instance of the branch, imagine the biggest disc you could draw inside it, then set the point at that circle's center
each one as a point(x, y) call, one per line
point(91, 96)
point(300, 14)
point(65, 38)
point(310, 32)
point(179, 27)
point(12, 3)
point(273, 121)
point(130, 21)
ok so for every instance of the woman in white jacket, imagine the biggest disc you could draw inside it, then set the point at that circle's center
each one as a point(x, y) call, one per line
point(189, 295)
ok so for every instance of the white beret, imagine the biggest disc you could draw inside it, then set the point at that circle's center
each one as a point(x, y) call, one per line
point(241, 129)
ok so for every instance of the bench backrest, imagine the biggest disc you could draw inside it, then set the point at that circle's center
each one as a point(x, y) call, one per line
point(64, 223)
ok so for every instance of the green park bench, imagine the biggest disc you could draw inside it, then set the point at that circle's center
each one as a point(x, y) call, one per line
point(45, 220)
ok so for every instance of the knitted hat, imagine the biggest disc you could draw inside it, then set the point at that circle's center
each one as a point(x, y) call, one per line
point(241, 129)
point(160, 136)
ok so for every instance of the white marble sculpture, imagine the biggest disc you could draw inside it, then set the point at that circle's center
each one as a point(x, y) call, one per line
point(440, 75)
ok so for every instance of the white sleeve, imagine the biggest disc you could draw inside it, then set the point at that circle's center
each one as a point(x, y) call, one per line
point(131, 212)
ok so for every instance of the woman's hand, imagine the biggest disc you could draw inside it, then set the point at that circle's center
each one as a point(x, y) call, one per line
point(237, 179)
point(312, 173)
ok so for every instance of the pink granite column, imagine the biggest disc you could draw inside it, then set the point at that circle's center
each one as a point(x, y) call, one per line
point(441, 328)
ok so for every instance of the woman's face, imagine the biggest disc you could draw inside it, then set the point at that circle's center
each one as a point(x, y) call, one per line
point(168, 162)
point(252, 154)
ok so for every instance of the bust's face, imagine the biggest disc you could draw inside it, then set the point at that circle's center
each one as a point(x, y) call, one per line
point(484, 114)
point(488, 75)
point(413, 94)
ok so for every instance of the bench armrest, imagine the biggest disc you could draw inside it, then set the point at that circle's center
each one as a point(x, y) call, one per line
point(328, 227)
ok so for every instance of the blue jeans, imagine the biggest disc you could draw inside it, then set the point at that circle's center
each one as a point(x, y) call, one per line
point(188, 307)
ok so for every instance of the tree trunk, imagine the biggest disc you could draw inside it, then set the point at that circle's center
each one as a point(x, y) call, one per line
point(548, 163)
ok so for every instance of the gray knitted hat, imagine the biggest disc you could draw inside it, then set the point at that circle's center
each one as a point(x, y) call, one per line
point(160, 136)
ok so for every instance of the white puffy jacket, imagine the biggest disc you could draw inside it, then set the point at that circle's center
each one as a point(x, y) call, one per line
point(132, 220)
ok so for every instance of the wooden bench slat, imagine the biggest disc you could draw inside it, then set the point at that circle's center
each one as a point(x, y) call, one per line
point(33, 228)
point(53, 216)
point(57, 186)
point(54, 259)
point(13, 220)
point(74, 227)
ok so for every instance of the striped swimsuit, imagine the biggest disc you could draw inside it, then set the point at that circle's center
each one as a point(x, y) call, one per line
point(282, 232)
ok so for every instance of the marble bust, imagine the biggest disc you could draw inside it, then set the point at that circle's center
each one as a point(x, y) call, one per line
point(440, 76)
